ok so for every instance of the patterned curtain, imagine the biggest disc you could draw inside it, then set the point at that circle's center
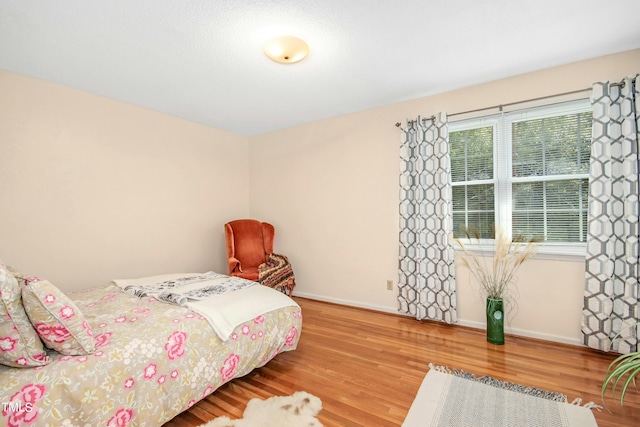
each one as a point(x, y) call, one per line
point(613, 239)
point(427, 288)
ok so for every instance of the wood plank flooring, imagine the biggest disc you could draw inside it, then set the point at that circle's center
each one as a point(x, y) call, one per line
point(366, 366)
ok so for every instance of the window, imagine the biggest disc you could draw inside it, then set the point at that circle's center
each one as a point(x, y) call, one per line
point(525, 171)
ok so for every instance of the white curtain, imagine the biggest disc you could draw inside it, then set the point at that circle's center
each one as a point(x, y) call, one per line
point(613, 239)
point(427, 288)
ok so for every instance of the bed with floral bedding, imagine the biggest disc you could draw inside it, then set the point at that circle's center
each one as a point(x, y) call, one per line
point(151, 360)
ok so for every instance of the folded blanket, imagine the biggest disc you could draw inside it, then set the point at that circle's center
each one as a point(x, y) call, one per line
point(177, 288)
point(224, 301)
point(277, 273)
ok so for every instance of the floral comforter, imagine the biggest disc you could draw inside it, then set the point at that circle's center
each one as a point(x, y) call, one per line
point(152, 361)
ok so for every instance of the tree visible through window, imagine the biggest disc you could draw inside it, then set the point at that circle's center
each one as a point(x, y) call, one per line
point(525, 171)
point(473, 182)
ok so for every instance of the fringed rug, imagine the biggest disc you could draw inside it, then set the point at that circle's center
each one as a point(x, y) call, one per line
point(453, 398)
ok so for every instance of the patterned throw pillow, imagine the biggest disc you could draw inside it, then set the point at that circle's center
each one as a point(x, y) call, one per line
point(58, 321)
point(20, 345)
point(22, 277)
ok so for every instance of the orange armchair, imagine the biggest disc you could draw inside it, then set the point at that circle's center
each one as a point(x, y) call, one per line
point(249, 244)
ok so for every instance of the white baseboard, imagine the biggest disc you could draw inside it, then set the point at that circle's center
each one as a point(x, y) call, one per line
point(461, 322)
point(524, 333)
point(348, 302)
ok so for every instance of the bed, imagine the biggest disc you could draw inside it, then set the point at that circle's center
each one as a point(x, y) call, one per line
point(152, 360)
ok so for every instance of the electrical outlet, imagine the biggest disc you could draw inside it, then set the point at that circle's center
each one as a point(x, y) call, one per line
point(390, 285)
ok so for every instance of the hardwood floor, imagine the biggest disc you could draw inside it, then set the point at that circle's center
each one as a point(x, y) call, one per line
point(366, 366)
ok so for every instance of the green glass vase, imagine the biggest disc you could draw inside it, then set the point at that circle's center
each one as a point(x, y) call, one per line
point(495, 321)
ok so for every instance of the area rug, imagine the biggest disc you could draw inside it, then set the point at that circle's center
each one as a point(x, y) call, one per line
point(299, 409)
point(449, 397)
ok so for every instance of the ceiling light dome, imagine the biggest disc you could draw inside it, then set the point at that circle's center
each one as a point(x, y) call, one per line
point(286, 49)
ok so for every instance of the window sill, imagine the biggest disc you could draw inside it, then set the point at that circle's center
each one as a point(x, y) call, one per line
point(551, 252)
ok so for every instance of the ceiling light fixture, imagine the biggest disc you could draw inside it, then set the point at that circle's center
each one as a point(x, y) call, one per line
point(286, 49)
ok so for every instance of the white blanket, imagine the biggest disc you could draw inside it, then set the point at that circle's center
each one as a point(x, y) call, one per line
point(224, 301)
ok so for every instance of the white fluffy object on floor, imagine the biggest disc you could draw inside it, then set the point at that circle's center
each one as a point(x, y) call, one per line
point(298, 410)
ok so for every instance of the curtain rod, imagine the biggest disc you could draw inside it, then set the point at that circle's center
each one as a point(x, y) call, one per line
point(509, 104)
point(501, 106)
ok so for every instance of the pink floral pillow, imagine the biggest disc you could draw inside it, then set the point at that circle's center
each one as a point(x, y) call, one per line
point(22, 277)
point(20, 345)
point(58, 321)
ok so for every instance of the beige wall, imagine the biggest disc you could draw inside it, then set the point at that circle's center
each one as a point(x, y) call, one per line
point(93, 189)
point(331, 190)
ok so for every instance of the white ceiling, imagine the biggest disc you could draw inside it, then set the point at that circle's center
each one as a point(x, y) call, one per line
point(201, 59)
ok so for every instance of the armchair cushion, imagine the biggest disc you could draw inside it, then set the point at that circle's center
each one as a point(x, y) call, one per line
point(248, 273)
